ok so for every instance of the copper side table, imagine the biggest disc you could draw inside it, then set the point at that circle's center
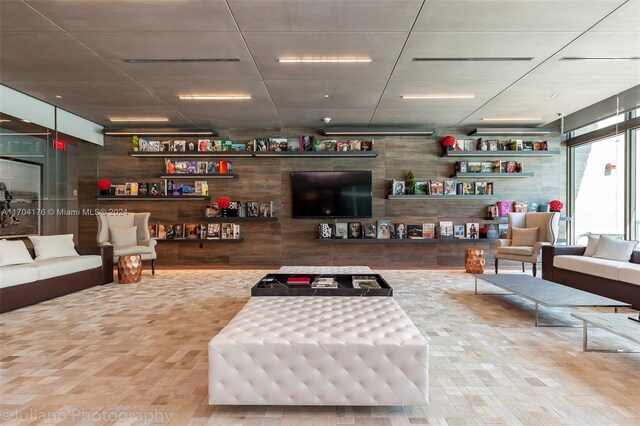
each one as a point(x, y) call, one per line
point(474, 261)
point(130, 269)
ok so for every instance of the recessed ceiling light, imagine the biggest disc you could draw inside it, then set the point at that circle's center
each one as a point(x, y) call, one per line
point(324, 60)
point(58, 96)
point(475, 59)
point(442, 96)
point(326, 96)
point(600, 58)
point(213, 97)
point(553, 95)
point(178, 60)
point(511, 119)
point(138, 119)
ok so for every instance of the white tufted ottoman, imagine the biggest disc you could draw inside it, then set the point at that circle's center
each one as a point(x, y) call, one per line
point(319, 351)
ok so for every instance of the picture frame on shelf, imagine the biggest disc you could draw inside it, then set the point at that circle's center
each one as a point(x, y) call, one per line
point(213, 231)
point(414, 232)
point(458, 231)
point(468, 188)
point(428, 230)
point(369, 230)
point(341, 230)
point(400, 231)
point(449, 187)
point(473, 230)
point(480, 188)
point(355, 230)
point(383, 229)
point(397, 187)
point(325, 230)
point(422, 188)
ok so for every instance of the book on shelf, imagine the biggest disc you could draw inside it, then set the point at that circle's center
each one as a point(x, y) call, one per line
point(324, 282)
point(364, 281)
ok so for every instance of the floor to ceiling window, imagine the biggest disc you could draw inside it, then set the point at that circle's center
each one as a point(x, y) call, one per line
point(599, 190)
point(605, 180)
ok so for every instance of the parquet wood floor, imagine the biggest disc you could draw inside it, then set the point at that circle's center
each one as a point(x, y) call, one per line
point(137, 354)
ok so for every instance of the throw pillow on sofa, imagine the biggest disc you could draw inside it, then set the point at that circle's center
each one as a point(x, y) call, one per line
point(53, 246)
point(614, 249)
point(524, 236)
point(14, 253)
point(121, 236)
point(592, 245)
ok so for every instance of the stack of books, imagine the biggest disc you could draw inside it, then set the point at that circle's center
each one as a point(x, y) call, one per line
point(364, 282)
point(324, 282)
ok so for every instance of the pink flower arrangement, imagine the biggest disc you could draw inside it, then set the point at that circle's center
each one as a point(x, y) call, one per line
point(104, 184)
point(223, 203)
point(448, 141)
point(555, 205)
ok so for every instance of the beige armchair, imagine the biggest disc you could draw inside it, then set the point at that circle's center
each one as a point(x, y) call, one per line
point(142, 244)
point(523, 250)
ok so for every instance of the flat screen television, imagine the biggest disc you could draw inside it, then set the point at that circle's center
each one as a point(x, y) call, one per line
point(331, 194)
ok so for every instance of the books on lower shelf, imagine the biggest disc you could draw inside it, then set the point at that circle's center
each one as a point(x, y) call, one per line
point(364, 281)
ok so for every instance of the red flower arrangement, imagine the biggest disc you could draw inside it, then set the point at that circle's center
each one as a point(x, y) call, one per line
point(104, 184)
point(223, 203)
point(555, 205)
point(448, 141)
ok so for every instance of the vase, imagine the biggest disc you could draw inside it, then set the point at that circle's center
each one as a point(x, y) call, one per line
point(104, 192)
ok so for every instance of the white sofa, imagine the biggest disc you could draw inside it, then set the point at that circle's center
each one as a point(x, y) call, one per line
point(319, 351)
point(615, 279)
point(31, 283)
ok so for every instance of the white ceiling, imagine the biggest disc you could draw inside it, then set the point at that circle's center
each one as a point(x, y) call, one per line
point(74, 49)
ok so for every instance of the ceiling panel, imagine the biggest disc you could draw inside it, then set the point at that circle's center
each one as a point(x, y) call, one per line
point(331, 15)
point(17, 16)
point(311, 94)
point(47, 56)
point(534, 98)
point(626, 18)
point(433, 117)
point(80, 95)
point(483, 90)
point(383, 48)
point(101, 115)
point(115, 47)
point(137, 16)
point(509, 15)
point(537, 45)
point(256, 118)
point(313, 117)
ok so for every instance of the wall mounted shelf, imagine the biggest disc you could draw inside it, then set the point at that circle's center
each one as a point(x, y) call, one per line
point(507, 153)
point(510, 131)
point(443, 197)
point(494, 175)
point(254, 154)
point(200, 175)
point(505, 220)
point(202, 242)
point(154, 198)
point(240, 219)
point(406, 241)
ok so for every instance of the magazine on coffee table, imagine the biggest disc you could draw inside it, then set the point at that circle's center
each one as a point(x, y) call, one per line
point(364, 281)
point(324, 282)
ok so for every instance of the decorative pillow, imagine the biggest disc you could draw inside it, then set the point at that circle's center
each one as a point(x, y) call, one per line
point(52, 246)
point(524, 236)
point(14, 253)
point(614, 249)
point(592, 245)
point(121, 237)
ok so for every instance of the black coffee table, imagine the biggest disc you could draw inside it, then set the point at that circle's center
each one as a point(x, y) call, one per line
point(546, 293)
point(276, 285)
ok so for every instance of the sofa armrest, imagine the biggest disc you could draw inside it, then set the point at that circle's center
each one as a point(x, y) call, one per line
point(550, 251)
point(635, 256)
point(151, 242)
point(106, 252)
point(503, 242)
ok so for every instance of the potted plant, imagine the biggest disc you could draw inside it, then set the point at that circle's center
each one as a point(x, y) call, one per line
point(223, 205)
point(410, 184)
point(555, 205)
point(135, 143)
point(104, 185)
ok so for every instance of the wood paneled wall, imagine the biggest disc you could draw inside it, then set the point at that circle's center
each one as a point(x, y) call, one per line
point(292, 241)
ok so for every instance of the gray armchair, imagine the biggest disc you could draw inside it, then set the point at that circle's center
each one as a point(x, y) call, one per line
point(144, 244)
point(547, 224)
